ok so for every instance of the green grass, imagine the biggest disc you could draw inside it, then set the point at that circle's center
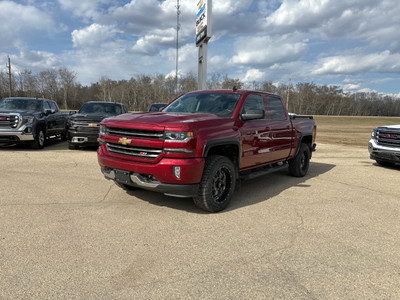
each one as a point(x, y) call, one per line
point(349, 130)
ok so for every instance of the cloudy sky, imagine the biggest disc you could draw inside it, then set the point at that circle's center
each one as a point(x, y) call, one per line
point(351, 43)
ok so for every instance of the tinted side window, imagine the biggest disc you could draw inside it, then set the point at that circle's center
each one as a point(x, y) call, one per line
point(53, 106)
point(46, 105)
point(275, 108)
point(253, 102)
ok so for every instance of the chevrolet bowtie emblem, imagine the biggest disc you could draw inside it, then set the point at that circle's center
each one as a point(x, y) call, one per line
point(124, 141)
point(92, 125)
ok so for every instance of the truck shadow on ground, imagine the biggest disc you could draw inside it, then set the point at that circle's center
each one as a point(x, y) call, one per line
point(250, 192)
point(51, 145)
point(393, 167)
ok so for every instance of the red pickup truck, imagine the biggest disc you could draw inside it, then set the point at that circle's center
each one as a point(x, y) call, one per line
point(202, 143)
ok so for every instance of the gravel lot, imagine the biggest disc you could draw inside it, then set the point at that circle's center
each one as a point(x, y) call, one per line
point(66, 232)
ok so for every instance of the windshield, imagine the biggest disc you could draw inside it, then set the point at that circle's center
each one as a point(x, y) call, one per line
point(220, 104)
point(21, 104)
point(101, 108)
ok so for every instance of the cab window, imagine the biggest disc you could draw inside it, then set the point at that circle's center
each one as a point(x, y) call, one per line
point(275, 109)
point(253, 102)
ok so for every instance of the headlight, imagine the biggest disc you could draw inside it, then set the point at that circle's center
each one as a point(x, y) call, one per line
point(178, 136)
point(103, 129)
point(373, 134)
point(28, 119)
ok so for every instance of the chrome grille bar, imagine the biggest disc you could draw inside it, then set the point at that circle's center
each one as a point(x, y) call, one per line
point(151, 134)
point(133, 151)
point(389, 138)
point(10, 120)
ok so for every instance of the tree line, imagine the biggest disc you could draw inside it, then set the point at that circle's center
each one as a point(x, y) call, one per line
point(139, 92)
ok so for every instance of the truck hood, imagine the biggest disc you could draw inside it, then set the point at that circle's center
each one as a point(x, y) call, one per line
point(162, 118)
point(21, 112)
point(392, 127)
point(89, 117)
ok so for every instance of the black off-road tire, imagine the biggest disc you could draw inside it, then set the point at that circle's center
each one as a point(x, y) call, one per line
point(72, 146)
point(217, 184)
point(64, 135)
point(40, 139)
point(299, 165)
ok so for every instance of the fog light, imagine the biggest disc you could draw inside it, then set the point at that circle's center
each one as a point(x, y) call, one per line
point(177, 172)
point(28, 129)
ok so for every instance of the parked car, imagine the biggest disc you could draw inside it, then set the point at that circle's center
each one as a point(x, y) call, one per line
point(384, 146)
point(202, 143)
point(30, 120)
point(83, 127)
point(157, 106)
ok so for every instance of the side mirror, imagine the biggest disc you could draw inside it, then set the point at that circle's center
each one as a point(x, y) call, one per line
point(49, 111)
point(72, 112)
point(253, 115)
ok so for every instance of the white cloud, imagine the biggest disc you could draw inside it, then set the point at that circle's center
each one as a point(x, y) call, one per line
point(19, 21)
point(35, 61)
point(87, 9)
point(92, 36)
point(264, 51)
point(230, 7)
point(254, 75)
point(383, 62)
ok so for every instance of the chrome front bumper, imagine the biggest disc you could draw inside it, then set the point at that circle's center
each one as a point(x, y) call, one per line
point(20, 135)
point(383, 152)
point(148, 182)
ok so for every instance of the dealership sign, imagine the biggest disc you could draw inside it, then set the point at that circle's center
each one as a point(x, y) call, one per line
point(203, 21)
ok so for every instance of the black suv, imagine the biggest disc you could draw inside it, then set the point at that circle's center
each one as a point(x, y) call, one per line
point(84, 126)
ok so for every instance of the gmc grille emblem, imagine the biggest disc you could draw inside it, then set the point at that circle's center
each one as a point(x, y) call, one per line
point(124, 141)
point(390, 136)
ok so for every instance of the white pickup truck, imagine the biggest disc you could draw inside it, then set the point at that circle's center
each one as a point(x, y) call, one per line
point(384, 146)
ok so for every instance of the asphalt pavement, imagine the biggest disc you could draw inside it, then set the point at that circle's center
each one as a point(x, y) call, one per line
point(68, 233)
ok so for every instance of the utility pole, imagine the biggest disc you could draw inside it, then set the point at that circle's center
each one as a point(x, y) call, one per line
point(287, 97)
point(178, 26)
point(9, 77)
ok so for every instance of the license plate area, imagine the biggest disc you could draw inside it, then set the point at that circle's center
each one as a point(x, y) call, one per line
point(122, 176)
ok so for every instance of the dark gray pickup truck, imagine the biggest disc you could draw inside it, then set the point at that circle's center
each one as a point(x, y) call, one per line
point(30, 120)
point(83, 127)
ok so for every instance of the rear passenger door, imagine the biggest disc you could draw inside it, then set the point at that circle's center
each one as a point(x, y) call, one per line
point(280, 129)
point(50, 120)
point(60, 119)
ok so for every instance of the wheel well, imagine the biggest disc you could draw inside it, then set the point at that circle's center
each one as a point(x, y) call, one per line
point(229, 151)
point(41, 126)
point(307, 140)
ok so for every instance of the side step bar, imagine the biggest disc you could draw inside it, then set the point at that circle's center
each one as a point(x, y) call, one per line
point(264, 170)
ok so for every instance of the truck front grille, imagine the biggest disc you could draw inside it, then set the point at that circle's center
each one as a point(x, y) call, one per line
point(136, 133)
point(9, 120)
point(86, 126)
point(141, 152)
point(388, 137)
